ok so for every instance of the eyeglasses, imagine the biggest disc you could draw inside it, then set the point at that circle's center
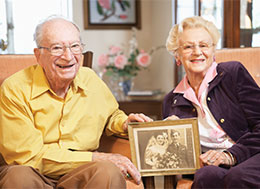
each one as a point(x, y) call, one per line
point(58, 49)
point(189, 48)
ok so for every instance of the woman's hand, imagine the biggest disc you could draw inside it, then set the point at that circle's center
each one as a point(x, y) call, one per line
point(213, 157)
point(136, 118)
point(172, 117)
point(123, 163)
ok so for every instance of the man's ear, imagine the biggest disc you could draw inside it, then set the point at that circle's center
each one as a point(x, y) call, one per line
point(37, 54)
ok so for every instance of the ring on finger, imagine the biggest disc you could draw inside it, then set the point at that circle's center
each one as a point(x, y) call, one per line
point(211, 161)
point(128, 175)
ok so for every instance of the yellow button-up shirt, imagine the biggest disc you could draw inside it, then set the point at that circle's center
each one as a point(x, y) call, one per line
point(49, 133)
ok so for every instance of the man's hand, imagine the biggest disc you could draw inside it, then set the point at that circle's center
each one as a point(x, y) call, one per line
point(213, 157)
point(136, 118)
point(122, 162)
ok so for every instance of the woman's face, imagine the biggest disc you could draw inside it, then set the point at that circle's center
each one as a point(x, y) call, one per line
point(196, 51)
point(160, 139)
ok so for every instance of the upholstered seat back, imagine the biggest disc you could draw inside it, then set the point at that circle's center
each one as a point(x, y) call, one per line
point(249, 57)
point(11, 63)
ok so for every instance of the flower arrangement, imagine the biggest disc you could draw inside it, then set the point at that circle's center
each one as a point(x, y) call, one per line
point(119, 62)
point(123, 64)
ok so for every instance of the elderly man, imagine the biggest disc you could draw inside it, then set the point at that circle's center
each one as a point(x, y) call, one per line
point(52, 116)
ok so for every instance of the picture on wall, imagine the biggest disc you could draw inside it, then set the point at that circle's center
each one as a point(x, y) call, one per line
point(165, 147)
point(111, 14)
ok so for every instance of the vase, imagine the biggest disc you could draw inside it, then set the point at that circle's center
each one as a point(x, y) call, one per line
point(126, 85)
point(120, 87)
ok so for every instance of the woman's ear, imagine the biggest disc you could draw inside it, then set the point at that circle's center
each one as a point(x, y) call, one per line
point(178, 62)
point(177, 58)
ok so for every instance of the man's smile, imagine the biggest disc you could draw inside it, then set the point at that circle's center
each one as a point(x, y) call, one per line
point(65, 66)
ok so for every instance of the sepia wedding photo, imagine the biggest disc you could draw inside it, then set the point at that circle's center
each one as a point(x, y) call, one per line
point(165, 147)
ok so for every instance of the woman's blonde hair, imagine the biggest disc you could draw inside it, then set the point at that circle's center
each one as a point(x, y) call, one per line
point(172, 42)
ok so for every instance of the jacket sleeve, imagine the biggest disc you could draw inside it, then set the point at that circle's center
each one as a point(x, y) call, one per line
point(248, 94)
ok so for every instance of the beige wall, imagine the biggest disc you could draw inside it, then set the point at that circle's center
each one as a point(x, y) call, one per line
point(156, 20)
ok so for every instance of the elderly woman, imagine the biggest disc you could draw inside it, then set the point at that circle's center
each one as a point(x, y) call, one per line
point(226, 101)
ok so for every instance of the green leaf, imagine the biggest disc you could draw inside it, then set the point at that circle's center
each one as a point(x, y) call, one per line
point(113, 5)
point(99, 8)
point(126, 3)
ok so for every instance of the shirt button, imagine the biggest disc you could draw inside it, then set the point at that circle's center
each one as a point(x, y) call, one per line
point(222, 120)
point(209, 99)
point(175, 101)
point(193, 110)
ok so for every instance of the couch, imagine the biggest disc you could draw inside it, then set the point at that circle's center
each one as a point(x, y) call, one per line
point(11, 63)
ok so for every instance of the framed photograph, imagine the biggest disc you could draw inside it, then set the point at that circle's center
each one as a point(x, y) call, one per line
point(112, 14)
point(165, 147)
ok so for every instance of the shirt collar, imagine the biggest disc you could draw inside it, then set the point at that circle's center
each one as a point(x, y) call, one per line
point(78, 82)
point(185, 88)
point(41, 85)
point(184, 85)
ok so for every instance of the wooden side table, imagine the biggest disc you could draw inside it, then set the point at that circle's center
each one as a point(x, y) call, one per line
point(151, 108)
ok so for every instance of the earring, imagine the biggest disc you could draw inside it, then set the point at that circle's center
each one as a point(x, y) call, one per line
point(178, 62)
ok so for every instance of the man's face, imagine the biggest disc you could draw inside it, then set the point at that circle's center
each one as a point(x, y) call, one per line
point(175, 137)
point(63, 68)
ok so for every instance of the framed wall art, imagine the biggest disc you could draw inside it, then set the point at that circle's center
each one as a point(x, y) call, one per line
point(112, 14)
point(165, 147)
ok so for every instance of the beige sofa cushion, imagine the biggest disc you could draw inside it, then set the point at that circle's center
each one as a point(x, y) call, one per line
point(9, 64)
point(249, 57)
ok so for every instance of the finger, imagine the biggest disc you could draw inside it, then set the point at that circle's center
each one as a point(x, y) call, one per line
point(127, 168)
point(204, 157)
point(218, 162)
point(218, 159)
point(201, 163)
point(144, 117)
point(209, 157)
point(139, 118)
point(134, 174)
point(173, 117)
point(130, 171)
point(215, 156)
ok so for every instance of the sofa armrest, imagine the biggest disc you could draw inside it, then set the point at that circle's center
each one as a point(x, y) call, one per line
point(115, 144)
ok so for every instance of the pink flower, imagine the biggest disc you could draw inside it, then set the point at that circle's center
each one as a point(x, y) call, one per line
point(104, 3)
point(143, 59)
point(114, 50)
point(120, 61)
point(103, 60)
